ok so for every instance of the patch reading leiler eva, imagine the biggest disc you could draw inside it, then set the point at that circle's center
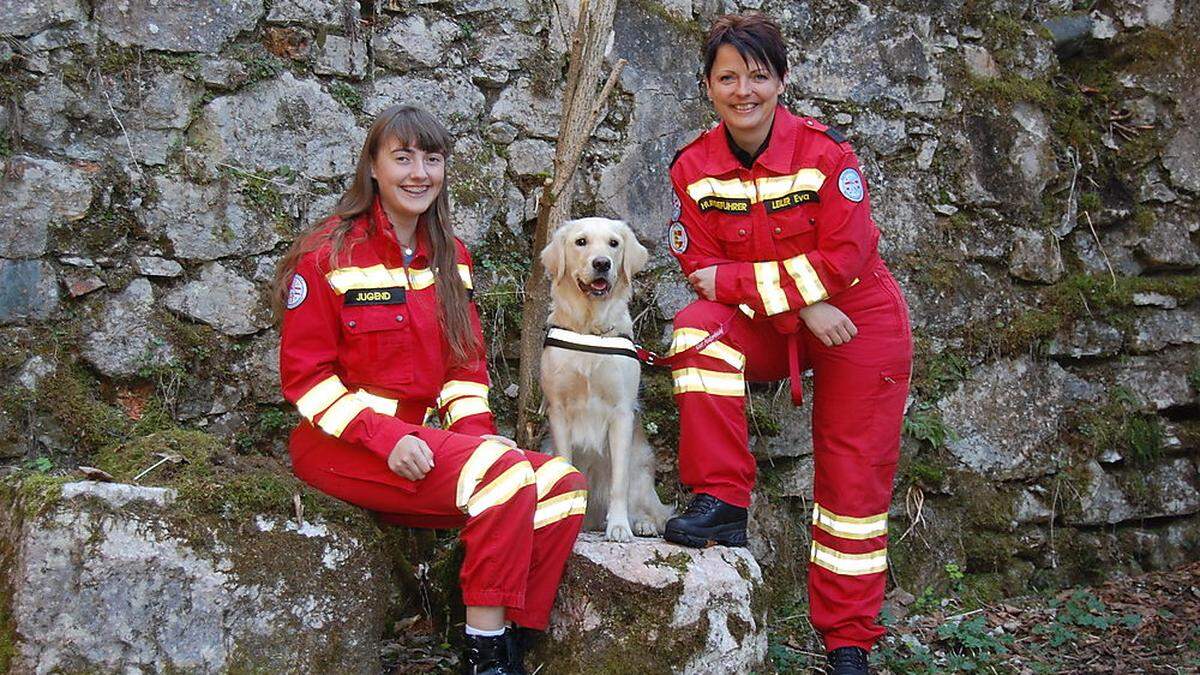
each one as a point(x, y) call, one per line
point(374, 296)
point(790, 200)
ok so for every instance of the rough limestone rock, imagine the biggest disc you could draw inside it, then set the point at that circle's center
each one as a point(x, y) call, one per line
point(1153, 332)
point(206, 222)
point(1035, 257)
point(1157, 382)
point(115, 578)
point(342, 56)
point(153, 266)
point(1005, 412)
point(21, 17)
point(1169, 245)
point(666, 608)
point(124, 335)
point(531, 157)
point(458, 103)
point(476, 189)
point(1182, 159)
point(35, 194)
point(222, 299)
point(283, 122)
point(1170, 489)
point(413, 42)
point(535, 114)
point(28, 290)
point(1085, 338)
point(327, 13)
point(176, 25)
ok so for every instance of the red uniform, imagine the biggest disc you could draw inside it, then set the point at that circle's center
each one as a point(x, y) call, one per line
point(794, 229)
point(363, 358)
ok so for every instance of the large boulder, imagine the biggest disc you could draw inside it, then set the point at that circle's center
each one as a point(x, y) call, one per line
point(124, 335)
point(34, 195)
point(176, 25)
point(222, 299)
point(654, 607)
point(113, 578)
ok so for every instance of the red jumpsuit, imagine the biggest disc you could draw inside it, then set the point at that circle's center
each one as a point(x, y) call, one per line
point(363, 358)
point(792, 230)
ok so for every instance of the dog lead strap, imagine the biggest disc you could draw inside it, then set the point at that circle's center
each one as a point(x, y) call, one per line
point(620, 345)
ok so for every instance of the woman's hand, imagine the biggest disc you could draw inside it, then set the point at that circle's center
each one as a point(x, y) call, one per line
point(411, 458)
point(500, 439)
point(828, 323)
point(704, 282)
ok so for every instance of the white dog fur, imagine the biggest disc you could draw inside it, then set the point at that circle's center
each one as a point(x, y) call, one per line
point(591, 399)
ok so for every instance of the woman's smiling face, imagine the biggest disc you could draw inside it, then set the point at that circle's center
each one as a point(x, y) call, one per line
point(743, 92)
point(409, 178)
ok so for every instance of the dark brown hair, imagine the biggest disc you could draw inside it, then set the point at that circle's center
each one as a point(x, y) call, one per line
point(414, 128)
point(754, 36)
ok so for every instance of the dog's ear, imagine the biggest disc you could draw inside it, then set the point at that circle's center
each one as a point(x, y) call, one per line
point(554, 256)
point(636, 255)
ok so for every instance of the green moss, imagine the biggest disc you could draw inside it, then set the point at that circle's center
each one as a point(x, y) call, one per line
point(763, 417)
point(347, 95)
point(922, 473)
point(1117, 424)
point(31, 492)
point(676, 561)
point(1013, 89)
point(1143, 218)
point(1091, 202)
point(71, 394)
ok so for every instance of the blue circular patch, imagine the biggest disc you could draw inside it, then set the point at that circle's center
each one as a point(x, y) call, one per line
point(850, 184)
point(297, 292)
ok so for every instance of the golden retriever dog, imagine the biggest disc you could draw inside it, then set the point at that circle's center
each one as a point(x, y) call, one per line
point(591, 398)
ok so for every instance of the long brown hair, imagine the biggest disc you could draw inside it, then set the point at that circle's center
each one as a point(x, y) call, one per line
point(415, 128)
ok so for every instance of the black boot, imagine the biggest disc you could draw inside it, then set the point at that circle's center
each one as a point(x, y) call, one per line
point(708, 521)
point(518, 640)
point(847, 661)
point(486, 655)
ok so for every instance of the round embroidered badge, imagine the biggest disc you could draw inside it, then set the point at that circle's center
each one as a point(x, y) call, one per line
point(677, 236)
point(676, 206)
point(850, 184)
point(297, 292)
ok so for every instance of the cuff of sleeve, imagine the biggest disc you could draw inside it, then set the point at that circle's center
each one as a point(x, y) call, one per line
point(727, 283)
point(475, 425)
point(389, 433)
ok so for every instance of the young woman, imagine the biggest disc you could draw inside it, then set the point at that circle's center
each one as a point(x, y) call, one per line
point(379, 330)
point(773, 227)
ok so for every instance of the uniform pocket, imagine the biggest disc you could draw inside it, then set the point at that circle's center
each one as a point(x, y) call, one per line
point(377, 345)
point(735, 238)
point(887, 422)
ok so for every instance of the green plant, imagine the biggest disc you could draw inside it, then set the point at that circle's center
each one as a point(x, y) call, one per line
point(346, 94)
point(924, 423)
point(971, 644)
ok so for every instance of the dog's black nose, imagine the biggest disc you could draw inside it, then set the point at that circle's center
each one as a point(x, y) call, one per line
point(602, 264)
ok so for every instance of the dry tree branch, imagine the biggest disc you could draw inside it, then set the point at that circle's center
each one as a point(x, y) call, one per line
point(582, 107)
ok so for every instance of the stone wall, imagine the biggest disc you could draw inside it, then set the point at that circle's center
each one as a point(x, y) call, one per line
point(1034, 167)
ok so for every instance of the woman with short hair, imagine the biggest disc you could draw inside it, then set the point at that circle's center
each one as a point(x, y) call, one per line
point(772, 225)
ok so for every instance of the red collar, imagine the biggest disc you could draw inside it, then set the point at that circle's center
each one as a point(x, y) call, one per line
point(777, 158)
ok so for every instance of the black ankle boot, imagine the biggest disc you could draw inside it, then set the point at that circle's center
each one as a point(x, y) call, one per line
point(518, 640)
point(847, 661)
point(486, 655)
point(708, 521)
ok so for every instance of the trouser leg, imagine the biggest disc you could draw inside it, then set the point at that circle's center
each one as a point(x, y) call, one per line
point(710, 390)
point(482, 486)
point(858, 406)
point(561, 500)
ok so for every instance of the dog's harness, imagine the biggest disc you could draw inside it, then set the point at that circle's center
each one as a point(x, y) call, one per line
point(623, 345)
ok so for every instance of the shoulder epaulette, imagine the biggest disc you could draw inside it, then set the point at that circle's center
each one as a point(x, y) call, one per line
point(837, 136)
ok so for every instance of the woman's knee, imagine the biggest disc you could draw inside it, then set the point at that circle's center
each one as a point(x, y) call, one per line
point(703, 314)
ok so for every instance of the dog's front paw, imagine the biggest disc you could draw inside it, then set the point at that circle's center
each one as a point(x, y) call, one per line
point(618, 531)
point(646, 528)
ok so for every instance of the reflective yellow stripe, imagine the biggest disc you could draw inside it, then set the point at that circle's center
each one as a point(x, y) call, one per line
point(847, 527)
point(419, 280)
point(550, 473)
point(334, 421)
point(686, 338)
point(380, 404)
point(320, 397)
point(766, 277)
point(804, 180)
point(345, 279)
point(502, 489)
point(709, 382)
point(482, 459)
point(465, 272)
point(807, 281)
point(726, 189)
point(747, 310)
point(848, 564)
point(465, 407)
point(460, 388)
point(556, 508)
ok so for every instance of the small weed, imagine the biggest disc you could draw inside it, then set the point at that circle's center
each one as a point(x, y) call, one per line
point(924, 423)
point(347, 95)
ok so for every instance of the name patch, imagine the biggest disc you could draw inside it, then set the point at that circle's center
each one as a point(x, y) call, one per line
point(790, 200)
point(725, 204)
point(374, 296)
